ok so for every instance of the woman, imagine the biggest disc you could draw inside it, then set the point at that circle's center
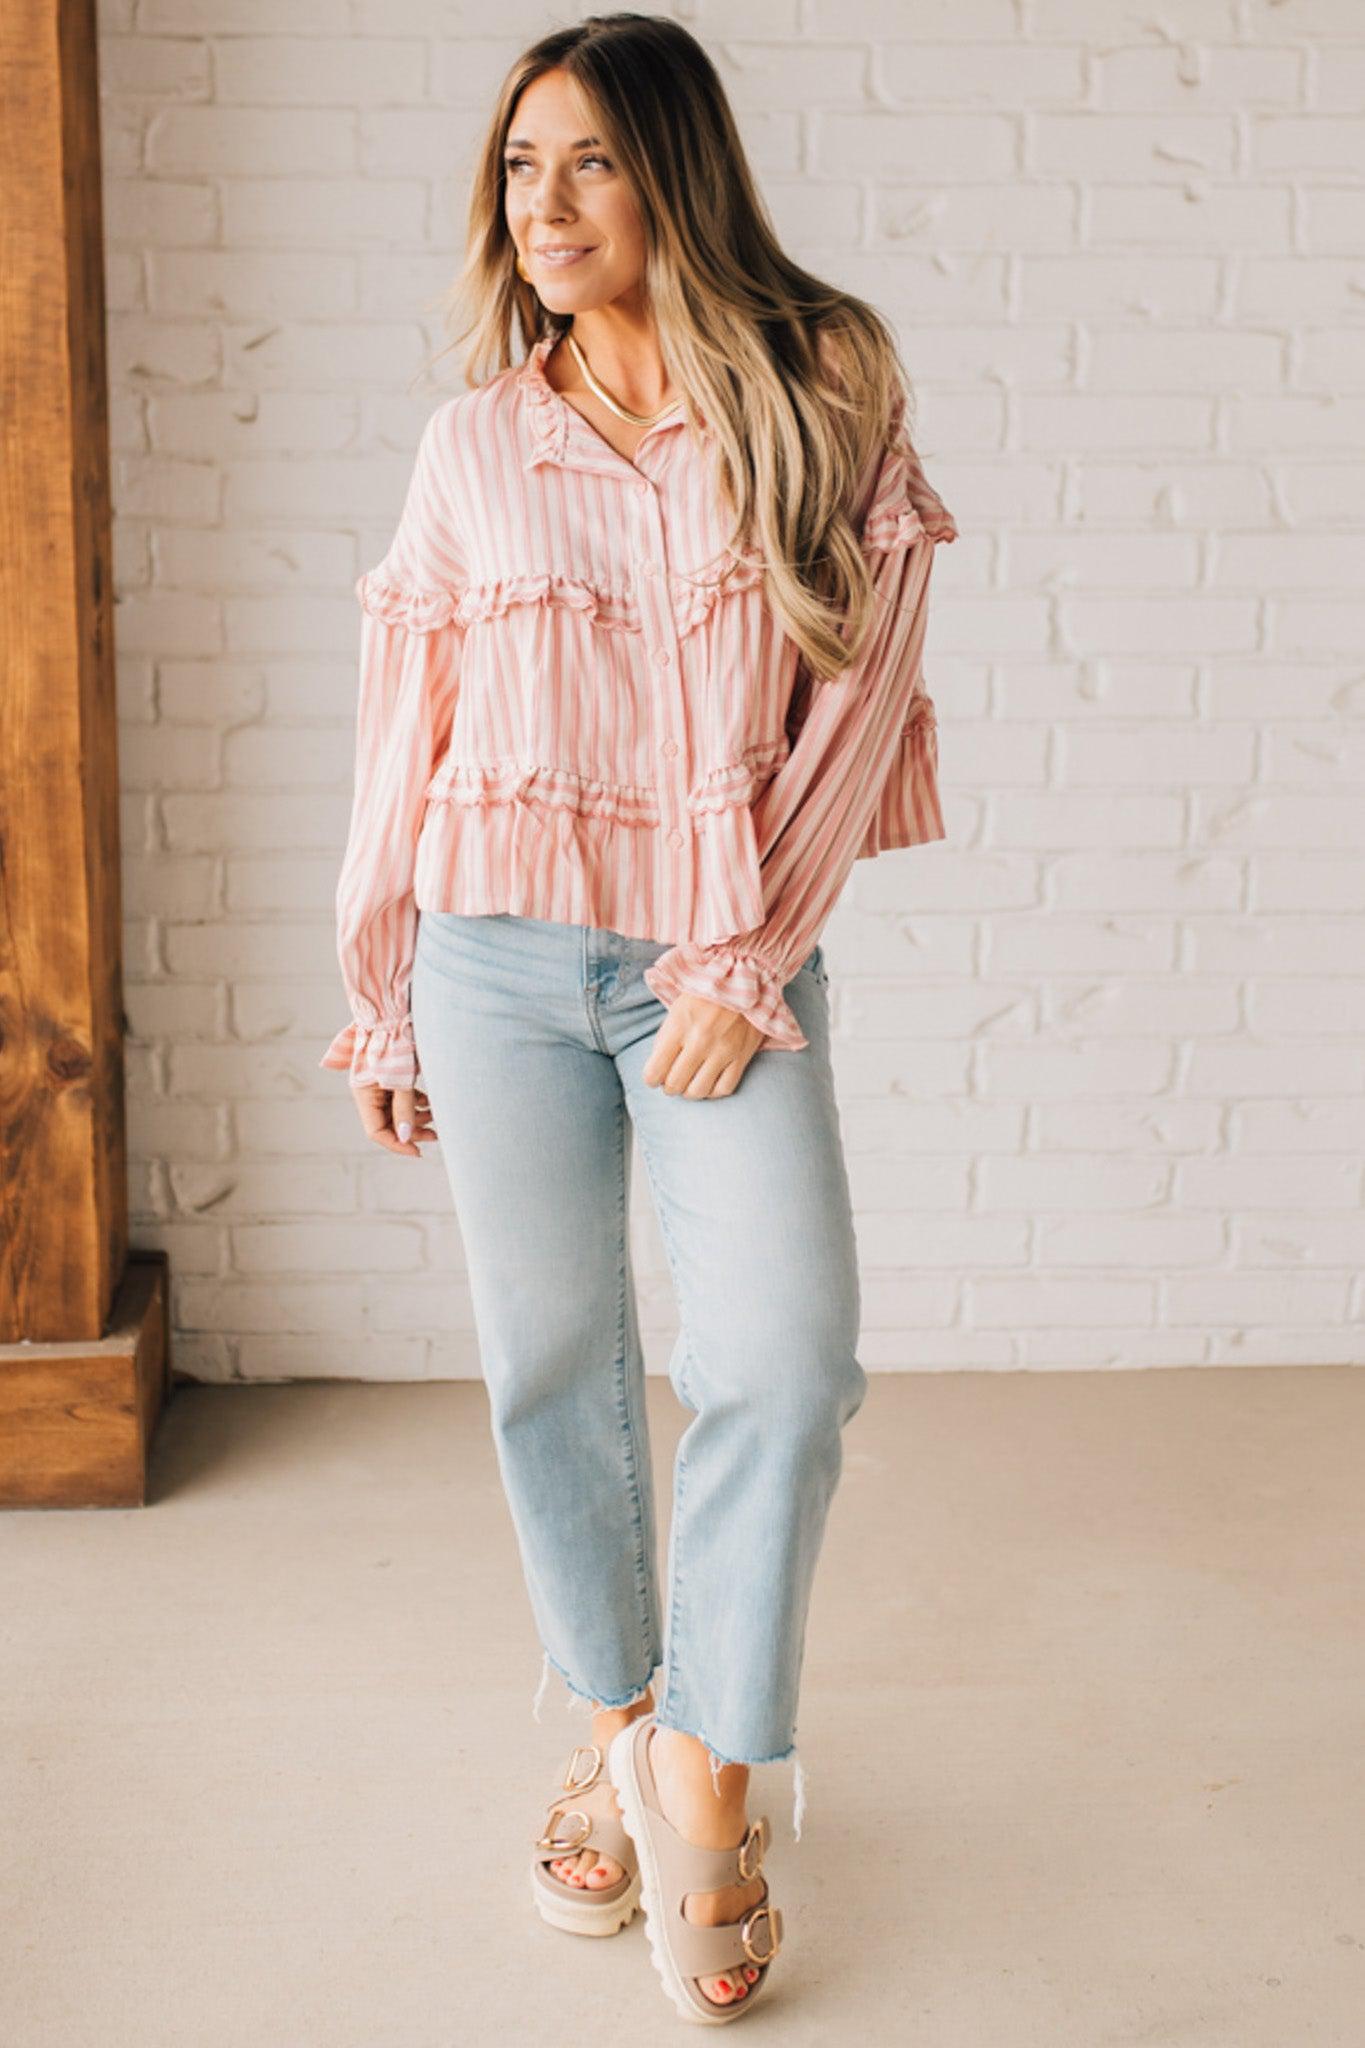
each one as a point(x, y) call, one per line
point(640, 679)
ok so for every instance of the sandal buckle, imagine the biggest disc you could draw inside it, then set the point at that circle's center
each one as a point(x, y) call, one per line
point(550, 1840)
point(753, 1840)
point(573, 1784)
point(746, 1925)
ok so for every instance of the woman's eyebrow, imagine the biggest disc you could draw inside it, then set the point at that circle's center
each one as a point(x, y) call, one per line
point(583, 142)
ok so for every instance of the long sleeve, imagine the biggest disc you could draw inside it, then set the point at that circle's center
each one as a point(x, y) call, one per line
point(408, 685)
point(861, 776)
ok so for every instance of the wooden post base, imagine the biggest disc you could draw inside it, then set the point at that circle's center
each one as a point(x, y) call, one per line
point(77, 1420)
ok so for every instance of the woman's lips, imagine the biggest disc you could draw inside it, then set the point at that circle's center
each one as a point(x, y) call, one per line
point(560, 259)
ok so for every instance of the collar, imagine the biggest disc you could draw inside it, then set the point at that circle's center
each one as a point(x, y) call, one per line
point(559, 433)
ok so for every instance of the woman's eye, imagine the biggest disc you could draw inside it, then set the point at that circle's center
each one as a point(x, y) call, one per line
point(514, 163)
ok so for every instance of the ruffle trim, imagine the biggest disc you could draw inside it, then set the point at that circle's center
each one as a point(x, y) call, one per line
point(892, 521)
point(615, 610)
point(922, 713)
point(383, 1053)
point(739, 782)
point(732, 786)
point(549, 421)
point(739, 981)
point(509, 782)
point(696, 592)
point(421, 611)
point(694, 595)
point(694, 598)
point(899, 529)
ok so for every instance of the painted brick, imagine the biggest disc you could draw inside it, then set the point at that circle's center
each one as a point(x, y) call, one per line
point(1099, 1055)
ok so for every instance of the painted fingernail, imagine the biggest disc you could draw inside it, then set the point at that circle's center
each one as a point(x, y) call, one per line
point(404, 1133)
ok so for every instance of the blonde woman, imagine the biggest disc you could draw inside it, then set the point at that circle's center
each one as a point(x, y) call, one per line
point(641, 679)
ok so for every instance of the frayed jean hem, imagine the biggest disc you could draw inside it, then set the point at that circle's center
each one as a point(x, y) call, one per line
point(717, 1759)
point(578, 1697)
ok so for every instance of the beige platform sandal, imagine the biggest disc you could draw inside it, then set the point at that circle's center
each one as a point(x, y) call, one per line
point(670, 1868)
point(567, 1829)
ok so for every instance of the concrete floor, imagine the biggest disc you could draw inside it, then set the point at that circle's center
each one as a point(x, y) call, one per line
point(1082, 1724)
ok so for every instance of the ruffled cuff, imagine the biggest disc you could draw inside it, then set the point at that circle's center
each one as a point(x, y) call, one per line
point(383, 1053)
point(740, 981)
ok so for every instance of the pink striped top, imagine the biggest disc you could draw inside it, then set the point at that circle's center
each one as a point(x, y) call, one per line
point(575, 704)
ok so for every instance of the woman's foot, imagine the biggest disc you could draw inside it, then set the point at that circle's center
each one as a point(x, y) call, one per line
point(587, 1869)
point(682, 1773)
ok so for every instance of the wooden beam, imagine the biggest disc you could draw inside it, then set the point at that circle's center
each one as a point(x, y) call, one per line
point(65, 1204)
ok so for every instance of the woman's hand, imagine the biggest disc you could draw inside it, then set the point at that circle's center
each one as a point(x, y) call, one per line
point(387, 1112)
point(937, 521)
point(701, 1049)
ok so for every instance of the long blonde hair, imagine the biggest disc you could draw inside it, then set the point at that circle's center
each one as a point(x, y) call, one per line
point(800, 383)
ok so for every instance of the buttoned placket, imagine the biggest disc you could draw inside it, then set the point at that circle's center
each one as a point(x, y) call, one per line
point(661, 644)
point(565, 437)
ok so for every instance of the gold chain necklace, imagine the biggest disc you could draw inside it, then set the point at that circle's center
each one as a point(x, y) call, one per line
point(599, 390)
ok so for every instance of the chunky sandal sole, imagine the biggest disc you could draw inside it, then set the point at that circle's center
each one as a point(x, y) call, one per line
point(637, 1817)
point(586, 1913)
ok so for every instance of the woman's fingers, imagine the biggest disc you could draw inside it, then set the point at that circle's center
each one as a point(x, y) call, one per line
point(701, 1049)
point(372, 1104)
point(398, 1120)
point(403, 1117)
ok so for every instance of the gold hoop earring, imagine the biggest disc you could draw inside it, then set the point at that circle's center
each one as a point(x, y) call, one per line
point(522, 270)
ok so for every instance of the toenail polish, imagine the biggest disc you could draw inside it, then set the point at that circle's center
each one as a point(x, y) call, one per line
point(721, 1984)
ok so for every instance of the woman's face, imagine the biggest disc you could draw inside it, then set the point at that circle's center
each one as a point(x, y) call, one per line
point(564, 192)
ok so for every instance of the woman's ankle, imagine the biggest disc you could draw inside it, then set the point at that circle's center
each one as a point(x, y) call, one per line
point(609, 1721)
point(685, 1765)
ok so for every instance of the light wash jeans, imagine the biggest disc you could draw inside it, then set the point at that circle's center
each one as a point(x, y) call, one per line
point(531, 1037)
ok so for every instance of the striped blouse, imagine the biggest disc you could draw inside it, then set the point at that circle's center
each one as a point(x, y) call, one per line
point(575, 704)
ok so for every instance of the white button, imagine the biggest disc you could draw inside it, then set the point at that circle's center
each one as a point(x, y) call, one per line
point(670, 748)
point(650, 568)
point(642, 490)
point(663, 657)
point(675, 839)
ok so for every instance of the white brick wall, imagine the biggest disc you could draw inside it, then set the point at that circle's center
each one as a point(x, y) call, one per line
point(1101, 1055)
